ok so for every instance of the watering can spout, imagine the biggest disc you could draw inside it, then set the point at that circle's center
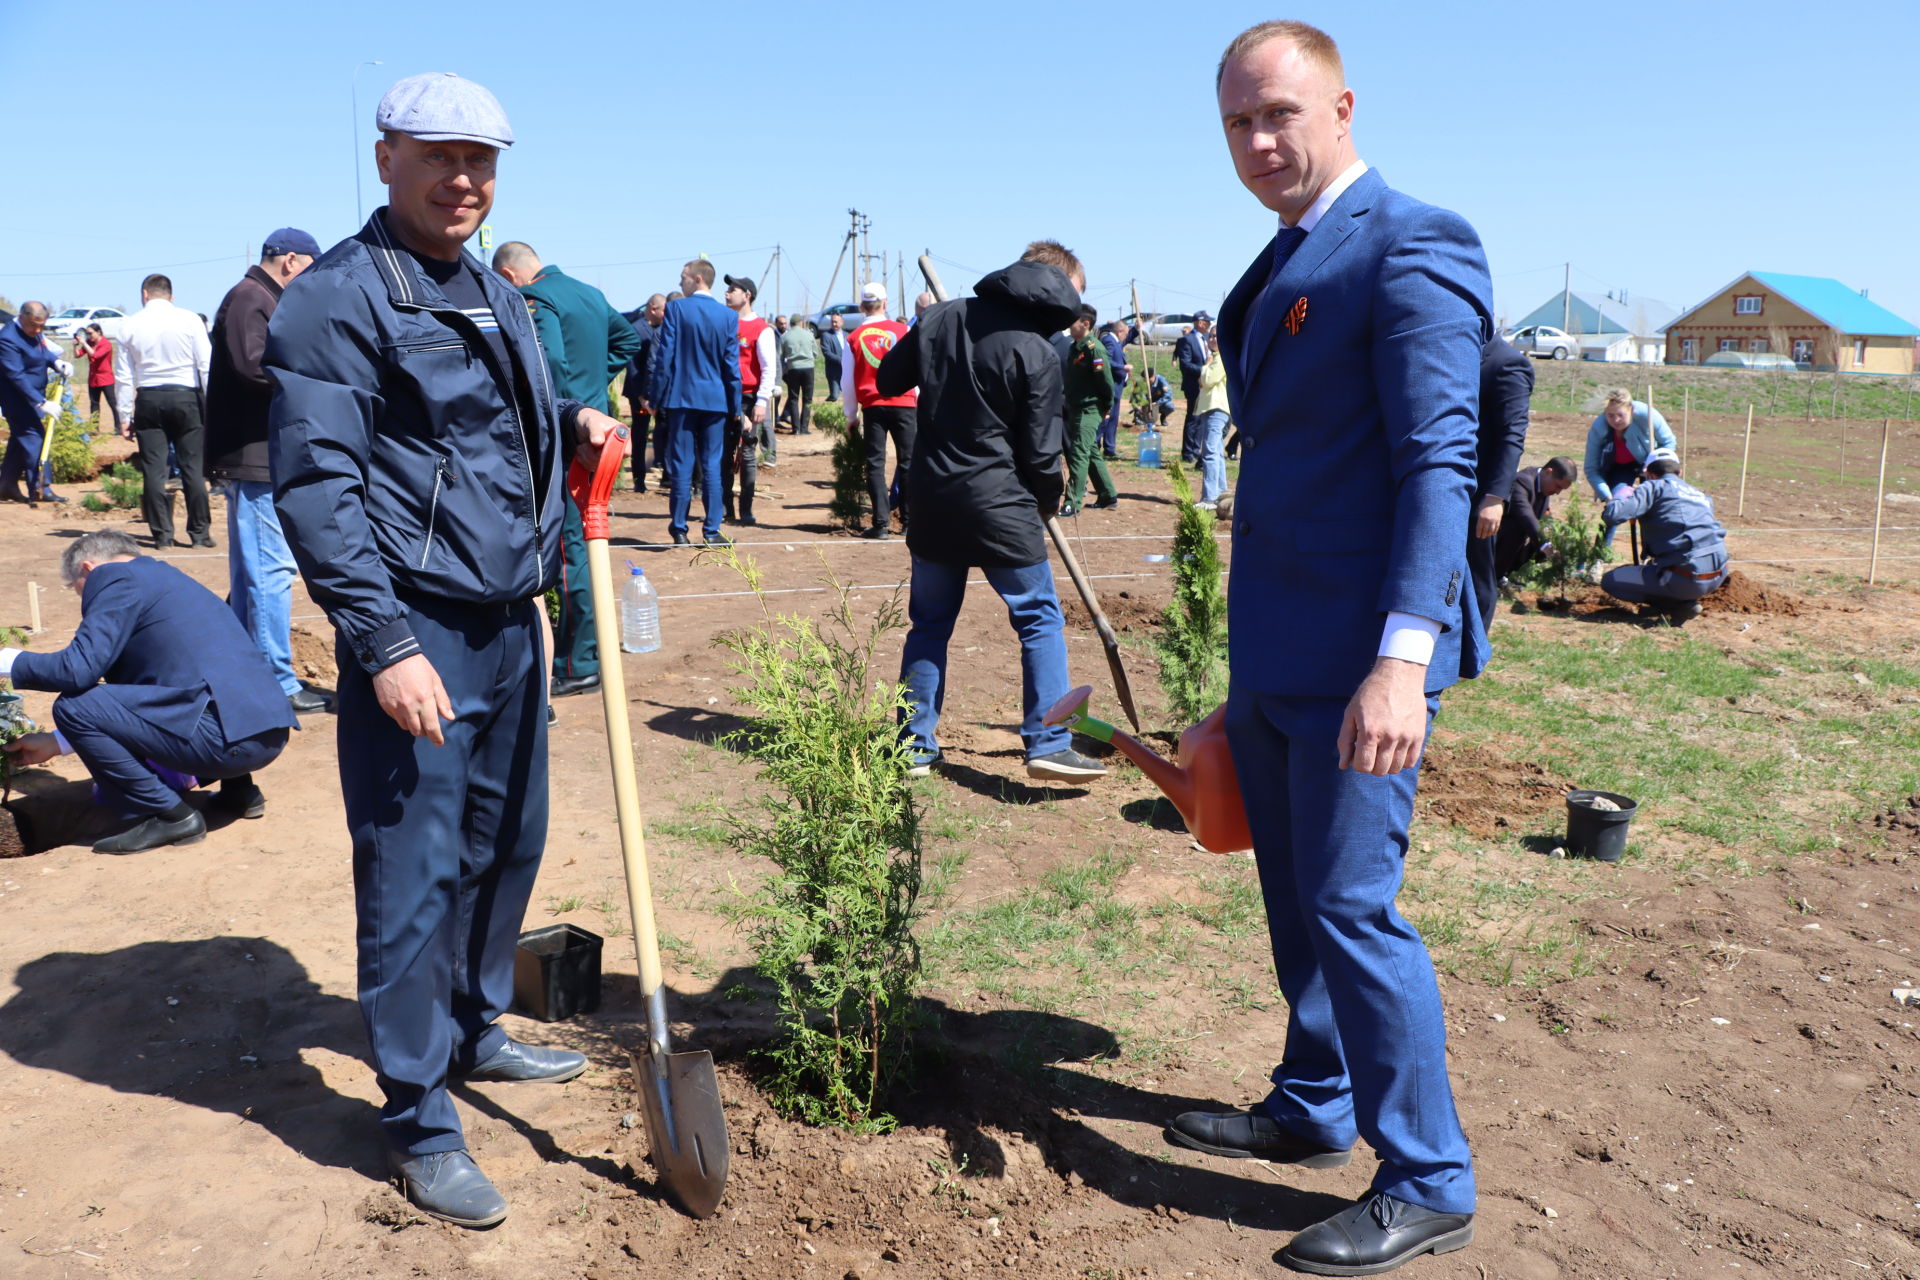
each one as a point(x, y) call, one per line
point(1204, 788)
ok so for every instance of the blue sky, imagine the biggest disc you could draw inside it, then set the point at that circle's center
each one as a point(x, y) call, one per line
point(1660, 150)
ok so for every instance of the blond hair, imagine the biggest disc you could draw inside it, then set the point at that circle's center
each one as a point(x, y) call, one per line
point(1315, 46)
point(1619, 395)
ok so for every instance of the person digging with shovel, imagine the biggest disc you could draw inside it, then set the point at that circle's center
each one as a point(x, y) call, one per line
point(418, 460)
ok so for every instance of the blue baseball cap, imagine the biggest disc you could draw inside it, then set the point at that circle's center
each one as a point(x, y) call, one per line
point(290, 240)
point(439, 106)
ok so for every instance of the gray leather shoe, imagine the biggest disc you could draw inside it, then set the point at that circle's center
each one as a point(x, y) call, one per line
point(526, 1063)
point(449, 1186)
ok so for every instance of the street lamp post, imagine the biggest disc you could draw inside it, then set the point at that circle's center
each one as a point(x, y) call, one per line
point(359, 209)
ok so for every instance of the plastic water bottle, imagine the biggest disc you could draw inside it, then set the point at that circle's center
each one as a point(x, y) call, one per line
point(639, 613)
point(1150, 447)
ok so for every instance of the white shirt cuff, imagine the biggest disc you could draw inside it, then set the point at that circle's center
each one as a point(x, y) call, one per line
point(60, 740)
point(6, 662)
point(1409, 638)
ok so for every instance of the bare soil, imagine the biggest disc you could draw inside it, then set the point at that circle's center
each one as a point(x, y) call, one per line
point(184, 1088)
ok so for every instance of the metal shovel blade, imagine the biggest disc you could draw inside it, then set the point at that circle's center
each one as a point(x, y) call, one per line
point(685, 1124)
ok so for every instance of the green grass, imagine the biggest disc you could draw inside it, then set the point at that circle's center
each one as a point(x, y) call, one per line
point(1573, 386)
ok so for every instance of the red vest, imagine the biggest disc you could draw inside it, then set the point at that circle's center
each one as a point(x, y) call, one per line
point(750, 331)
point(867, 347)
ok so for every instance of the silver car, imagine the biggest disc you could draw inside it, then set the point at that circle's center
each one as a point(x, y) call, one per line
point(1546, 341)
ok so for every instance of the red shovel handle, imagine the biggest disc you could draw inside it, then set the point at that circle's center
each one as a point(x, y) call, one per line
point(593, 490)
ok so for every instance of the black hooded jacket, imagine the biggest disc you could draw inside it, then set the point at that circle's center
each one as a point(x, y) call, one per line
point(988, 436)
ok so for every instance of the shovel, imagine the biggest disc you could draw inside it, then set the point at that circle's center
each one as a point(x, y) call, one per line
point(679, 1092)
point(1121, 685)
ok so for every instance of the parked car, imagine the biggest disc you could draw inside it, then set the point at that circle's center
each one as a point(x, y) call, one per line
point(1546, 341)
point(1751, 360)
point(74, 319)
point(1158, 327)
point(849, 313)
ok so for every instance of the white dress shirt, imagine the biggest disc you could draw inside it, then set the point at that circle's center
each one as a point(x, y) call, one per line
point(164, 346)
point(1406, 636)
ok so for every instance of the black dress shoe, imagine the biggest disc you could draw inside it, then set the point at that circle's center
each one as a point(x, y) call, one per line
point(528, 1063)
point(203, 541)
point(1375, 1235)
point(243, 801)
point(306, 700)
point(553, 717)
point(879, 533)
point(567, 686)
point(1252, 1135)
point(718, 540)
point(681, 540)
point(449, 1186)
point(154, 832)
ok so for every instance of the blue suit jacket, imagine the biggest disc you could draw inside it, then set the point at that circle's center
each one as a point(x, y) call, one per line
point(25, 368)
point(170, 646)
point(1357, 429)
point(697, 363)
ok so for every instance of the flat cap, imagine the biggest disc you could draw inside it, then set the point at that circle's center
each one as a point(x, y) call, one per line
point(439, 106)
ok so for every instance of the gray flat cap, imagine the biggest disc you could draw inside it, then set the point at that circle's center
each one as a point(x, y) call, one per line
point(438, 106)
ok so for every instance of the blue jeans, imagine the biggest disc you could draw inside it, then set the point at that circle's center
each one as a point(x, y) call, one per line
point(1213, 455)
point(260, 576)
point(694, 439)
point(1034, 611)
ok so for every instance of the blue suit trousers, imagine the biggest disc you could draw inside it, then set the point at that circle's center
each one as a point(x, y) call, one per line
point(1366, 1044)
point(116, 745)
point(694, 440)
point(446, 845)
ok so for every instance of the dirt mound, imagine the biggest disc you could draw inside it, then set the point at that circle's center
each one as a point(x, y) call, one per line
point(1742, 594)
point(1901, 822)
point(11, 843)
point(313, 657)
point(1483, 792)
point(1125, 610)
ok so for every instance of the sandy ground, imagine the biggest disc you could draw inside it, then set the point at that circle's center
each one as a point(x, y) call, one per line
point(183, 1089)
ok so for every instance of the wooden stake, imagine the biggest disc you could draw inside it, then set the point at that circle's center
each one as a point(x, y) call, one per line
point(33, 608)
point(1879, 500)
point(1843, 448)
point(1686, 421)
point(1745, 453)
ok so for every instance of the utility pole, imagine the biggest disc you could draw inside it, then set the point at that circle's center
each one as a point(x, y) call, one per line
point(777, 307)
point(853, 237)
point(1566, 302)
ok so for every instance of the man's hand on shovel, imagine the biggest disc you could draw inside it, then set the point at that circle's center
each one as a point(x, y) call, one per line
point(591, 429)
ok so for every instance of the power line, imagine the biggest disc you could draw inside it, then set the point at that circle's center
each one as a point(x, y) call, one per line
point(114, 271)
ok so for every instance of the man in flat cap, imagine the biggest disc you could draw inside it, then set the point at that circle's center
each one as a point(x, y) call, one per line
point(259, 567)
point(419, 453)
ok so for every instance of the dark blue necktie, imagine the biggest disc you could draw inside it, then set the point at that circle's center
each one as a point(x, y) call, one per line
point(1260, 324)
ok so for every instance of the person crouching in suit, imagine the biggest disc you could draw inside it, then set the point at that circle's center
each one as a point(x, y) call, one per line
point(159, 673)
point(1352, 348)
point(1519, 541)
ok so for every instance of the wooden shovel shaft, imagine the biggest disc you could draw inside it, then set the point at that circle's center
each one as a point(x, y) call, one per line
point(626, 794)
point(1121, 685)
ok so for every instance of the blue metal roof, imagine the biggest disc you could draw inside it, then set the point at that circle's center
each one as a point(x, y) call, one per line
point(1834, 304)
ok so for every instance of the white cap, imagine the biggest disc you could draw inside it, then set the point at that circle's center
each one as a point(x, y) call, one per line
point(873, 291)
point(439, 106)
point(1663, 454)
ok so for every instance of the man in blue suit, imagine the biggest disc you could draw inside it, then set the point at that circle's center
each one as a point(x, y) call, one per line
point(1353, 348)
point(695, 388)
point(159, 673)
point(1506, 399)
point(1191, 353)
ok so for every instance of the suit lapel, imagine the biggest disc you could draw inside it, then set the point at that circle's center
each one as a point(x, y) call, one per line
point(1234, 344)
point(1328, 235)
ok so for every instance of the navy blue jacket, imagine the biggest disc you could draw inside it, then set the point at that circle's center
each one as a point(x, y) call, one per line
point(25, 368)
point(640, 363)
point(399, 465)
point(170, 647)
point(1191, 352)
point(1357, 428)
point(1506, 396)
point(1677, 525)
point(1116, 359)
point(696, 362)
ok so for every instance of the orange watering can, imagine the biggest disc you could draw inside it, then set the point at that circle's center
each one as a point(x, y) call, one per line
point(1203, 786)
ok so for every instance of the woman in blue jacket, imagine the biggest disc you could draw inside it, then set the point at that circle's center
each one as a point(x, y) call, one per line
point(1618, 443)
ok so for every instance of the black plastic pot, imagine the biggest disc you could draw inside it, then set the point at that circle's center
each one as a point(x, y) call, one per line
point(556, 972)
point(1600, 834)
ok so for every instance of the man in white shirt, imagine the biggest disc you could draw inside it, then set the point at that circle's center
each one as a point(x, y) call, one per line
point(759, 375)
point(167, 355)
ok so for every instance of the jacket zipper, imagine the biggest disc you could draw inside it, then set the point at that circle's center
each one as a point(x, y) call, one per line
point(440, 476)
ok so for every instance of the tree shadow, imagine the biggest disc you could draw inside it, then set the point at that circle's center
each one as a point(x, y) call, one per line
point(703, 725)
point(1156, 812)
point(217, 1023)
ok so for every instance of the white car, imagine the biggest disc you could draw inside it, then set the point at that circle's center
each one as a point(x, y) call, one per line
point(1160, 328)
point(1547, 341)
point(74, 319)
